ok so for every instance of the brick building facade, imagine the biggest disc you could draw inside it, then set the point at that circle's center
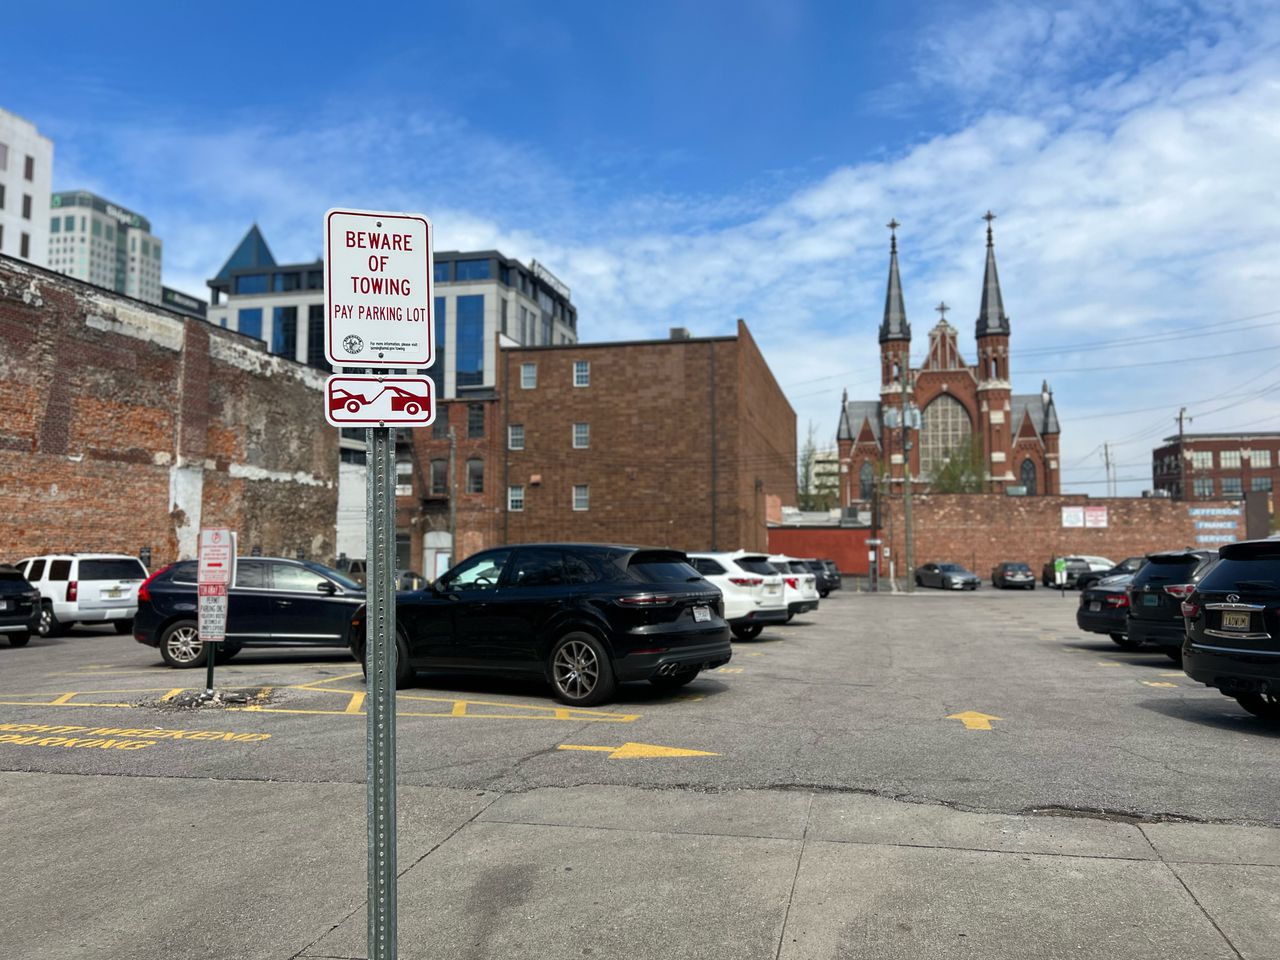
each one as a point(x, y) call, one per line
point(1203, 466)
point(678, 442)
point(124, 426)
point(947, 407)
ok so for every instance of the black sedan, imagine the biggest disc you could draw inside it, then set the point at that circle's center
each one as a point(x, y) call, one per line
point(274, 603)
point(1232, 621)
point(947, 576)
point(1104, 608)
point(1010, 575)
point(582, 616)
point(19, 606)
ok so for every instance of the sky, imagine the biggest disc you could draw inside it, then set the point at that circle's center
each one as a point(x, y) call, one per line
point(689, 163)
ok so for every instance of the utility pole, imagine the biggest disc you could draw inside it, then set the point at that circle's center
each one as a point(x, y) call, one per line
point(1106, 460)
point(453, 498)
point(1184, 492)
point(909, 559)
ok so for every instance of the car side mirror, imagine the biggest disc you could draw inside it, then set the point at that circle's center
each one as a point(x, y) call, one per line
point(327, 588)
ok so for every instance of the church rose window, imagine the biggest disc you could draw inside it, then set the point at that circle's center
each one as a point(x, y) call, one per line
point(945, 427)
point(1028, 472)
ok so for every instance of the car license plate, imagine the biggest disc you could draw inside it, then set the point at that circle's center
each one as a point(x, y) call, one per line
point(1095, 606)
point(1235, 621)
point(1150, 600)
point(113, 592)
point(701, 614)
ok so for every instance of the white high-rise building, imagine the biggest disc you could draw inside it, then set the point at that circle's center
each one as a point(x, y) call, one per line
point(93, 239)
point(26, 177)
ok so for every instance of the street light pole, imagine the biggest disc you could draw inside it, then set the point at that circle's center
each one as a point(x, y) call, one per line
point(909, 559)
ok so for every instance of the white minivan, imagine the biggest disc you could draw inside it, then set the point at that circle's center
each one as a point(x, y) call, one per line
point(751, 588)
point(85, 588)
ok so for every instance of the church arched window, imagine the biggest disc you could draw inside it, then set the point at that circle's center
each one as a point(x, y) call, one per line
point(866, 480)
point(945, 429)
point(1028, 476)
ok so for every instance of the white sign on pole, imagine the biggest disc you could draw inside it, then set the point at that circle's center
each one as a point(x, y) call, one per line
point(374, 401)
point(378, 286)
point(215, 574)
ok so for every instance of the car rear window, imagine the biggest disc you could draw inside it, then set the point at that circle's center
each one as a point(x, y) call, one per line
point(60, 570)
point(10, 574)
point(122, 569)
point(1175, 569)
point(757, 565)
point(1017, 567)
point(1255, 575)
point(37, 570)
point(661, 568)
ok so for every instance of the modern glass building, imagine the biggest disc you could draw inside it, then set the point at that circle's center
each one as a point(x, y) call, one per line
point(93, 239)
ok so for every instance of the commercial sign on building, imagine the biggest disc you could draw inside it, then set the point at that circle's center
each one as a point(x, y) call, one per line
point(378, 284)
point(1228, 530)
point(1073, 516)
point(1095, 517)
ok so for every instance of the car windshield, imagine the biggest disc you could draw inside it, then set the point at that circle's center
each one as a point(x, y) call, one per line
point(125, 568)
point(757, 565)
point(341, 579)
point(662, 568)
point(1173, 569)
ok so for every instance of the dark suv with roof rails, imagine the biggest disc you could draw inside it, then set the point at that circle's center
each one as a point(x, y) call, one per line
point(1232, 638)
point(1156, 594)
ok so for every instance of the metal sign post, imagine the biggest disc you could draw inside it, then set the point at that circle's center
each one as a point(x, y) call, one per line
point(215, 574)
point(378, 287)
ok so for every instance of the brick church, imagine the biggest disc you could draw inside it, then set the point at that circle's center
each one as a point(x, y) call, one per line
point(1009, 441)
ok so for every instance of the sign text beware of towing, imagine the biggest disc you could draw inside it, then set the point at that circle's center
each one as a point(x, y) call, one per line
point(378, 284)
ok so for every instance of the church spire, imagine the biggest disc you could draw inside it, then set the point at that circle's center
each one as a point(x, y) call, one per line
point(991, 318)
point(894, 326)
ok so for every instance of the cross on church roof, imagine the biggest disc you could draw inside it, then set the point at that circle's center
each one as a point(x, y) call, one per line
point(893, 226)
point(989, 216)
point(942, 308)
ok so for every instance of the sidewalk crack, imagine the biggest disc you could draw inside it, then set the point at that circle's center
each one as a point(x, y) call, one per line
point(795, 879)
point(1194, 899)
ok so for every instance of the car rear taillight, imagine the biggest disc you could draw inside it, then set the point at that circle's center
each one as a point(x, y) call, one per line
point(1118, 600)
point(73, 590)
point(1180, 590)
point(144, 595)
point(746, 581)
point(1189, 609)
point(793, 582)
point(645, 600)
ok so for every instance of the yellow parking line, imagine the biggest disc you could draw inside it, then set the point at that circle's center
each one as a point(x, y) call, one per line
point(66, 697)
point(356, 702)
point(460, 710)
point(172, 693)
point(316, 684)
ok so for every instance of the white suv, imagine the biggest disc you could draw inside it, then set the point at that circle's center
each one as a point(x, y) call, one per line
point(85, 588)
point(801, 586)
point(752, 589)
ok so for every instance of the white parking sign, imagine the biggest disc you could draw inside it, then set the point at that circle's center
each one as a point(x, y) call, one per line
point(378, 286)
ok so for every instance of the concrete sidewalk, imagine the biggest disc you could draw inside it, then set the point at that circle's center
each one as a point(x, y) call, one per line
point(172, 868)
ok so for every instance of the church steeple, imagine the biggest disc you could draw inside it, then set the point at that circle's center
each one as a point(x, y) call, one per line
point(894, 326)
point(991, 318)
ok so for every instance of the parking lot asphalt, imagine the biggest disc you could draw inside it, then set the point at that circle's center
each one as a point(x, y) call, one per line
point(928, 775)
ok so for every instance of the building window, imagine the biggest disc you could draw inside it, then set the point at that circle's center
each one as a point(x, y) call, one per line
point(284, 332)
point(581, 436)
point(1229, 459)
point(29, 169)
point(404, 478)
point(24, 246)
point(528, 376)
point(945, 430)
point(346, 455)
point(315, 336)
point(249, 322)
point(54, 226)
point(1203, 486)
point(4, 156)
point(26, 207)
point(471, 270)
point(1027, 474)
point(440, 426)
point(866, 480)
point(1261, 459)
point(248, 283)
point(581, 496)
point(470, 340)
point(1260, 483)
point(582, 373)
point(68, 224)
point(1201, 459)
point(503, 302)
point(475, 420)
point(439, 477)
point(1232, 486)
point(515, 436)
point(515, 499)
point(475, 475)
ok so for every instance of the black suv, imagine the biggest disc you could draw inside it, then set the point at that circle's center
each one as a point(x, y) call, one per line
point(1233, 627)
point(1128, 565)
point(582, 616)
point(275, 603)
point(19, 606)
point(825, 581)
point(1156, 594)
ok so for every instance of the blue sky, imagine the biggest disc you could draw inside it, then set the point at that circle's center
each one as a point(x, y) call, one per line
point(690, 163)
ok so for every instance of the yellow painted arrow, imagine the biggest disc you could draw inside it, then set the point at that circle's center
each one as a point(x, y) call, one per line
point(973, 720)
point(637, 751)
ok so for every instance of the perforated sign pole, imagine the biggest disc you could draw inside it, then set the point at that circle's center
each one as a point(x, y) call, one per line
point(380, 649)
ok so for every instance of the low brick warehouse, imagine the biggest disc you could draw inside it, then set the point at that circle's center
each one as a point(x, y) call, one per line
point(123, 426)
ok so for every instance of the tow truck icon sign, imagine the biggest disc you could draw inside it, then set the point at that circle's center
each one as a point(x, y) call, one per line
point(379, 401)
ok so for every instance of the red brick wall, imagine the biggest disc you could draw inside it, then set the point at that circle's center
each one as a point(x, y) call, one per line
point(847, 546)
point(108, 406)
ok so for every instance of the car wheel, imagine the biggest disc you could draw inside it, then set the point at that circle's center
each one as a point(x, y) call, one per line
point(1124, 643)
point(674, 681)
point(181, 646)
point(824, 594)
point(404, 671)
point(747, 631)
point(1264, 705)
point(123, 626)
point(224, 652)
point(49, 625)
point(580, 671)
point(20, 639)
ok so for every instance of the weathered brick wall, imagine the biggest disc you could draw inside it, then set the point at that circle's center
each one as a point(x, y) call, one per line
point(124, 426)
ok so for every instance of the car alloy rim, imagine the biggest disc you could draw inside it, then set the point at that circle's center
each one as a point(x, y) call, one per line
point(184, 644)
point(576, 669)
point(46, 622)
